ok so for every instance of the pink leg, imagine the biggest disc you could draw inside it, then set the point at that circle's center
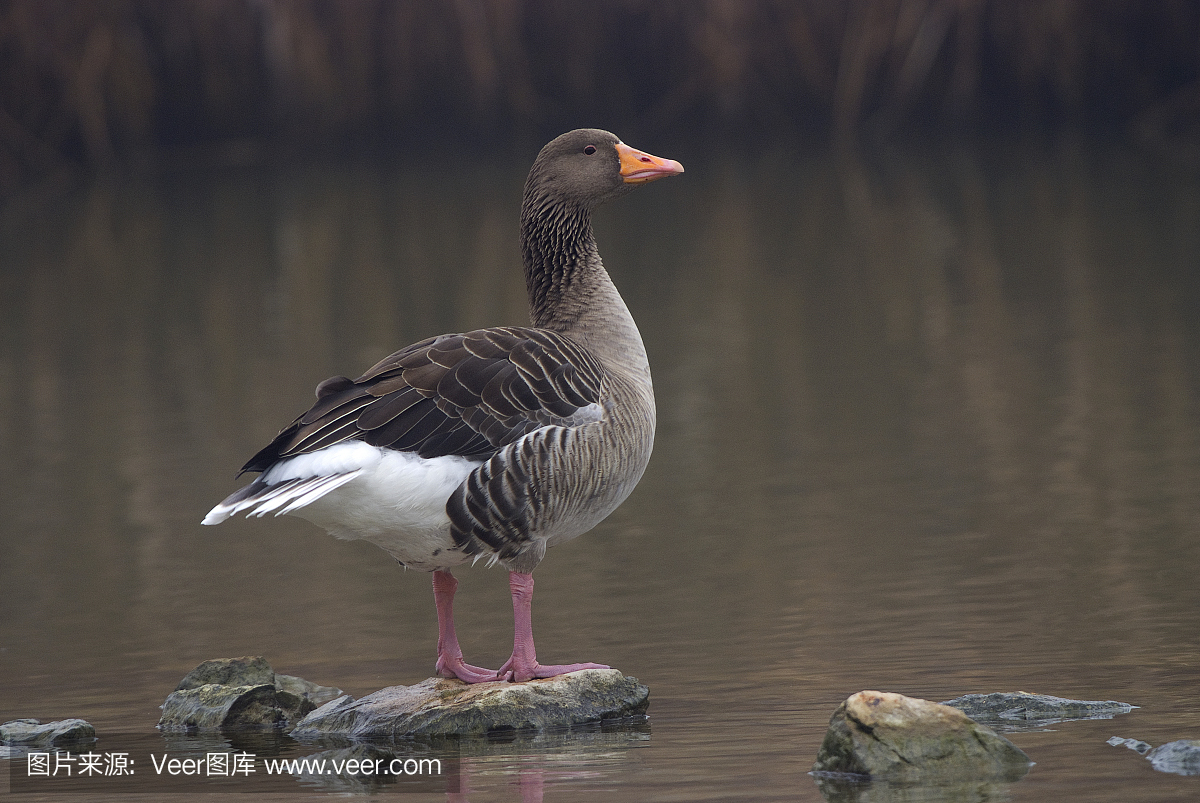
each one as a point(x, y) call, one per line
point(449, 655)
point(523, 664)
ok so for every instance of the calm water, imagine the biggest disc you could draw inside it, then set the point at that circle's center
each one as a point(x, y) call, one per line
point(929, 423)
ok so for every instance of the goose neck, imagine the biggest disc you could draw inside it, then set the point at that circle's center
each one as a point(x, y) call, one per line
point(570, 291)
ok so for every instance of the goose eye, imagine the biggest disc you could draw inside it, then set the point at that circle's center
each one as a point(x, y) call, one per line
point(589, 150)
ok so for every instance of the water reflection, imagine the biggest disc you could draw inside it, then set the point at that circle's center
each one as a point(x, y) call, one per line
point(928, 423)
point(849, 791)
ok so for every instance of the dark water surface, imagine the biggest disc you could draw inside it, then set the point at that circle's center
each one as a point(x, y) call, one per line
point(929, 423)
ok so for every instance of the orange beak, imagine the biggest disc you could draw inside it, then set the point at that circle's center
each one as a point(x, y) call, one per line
point(638, 167)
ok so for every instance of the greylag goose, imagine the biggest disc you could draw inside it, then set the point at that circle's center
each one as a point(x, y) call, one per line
point(496, 443)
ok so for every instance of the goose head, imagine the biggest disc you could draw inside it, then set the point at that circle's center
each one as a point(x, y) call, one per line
point(588, 166)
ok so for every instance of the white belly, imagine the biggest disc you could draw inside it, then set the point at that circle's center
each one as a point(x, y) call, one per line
point(398, 503)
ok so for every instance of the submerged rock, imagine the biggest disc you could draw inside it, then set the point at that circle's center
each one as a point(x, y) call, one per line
point(1021, 705)
point(32, 733)
point(237, 693)
point(1180, 757)
point(438, 706)
point(1136, 745)
point(891, 737)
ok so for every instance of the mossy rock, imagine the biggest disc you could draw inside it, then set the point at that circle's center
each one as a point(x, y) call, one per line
point(891, 737)
point(33, 733)
point(240, 693)
point(441, 707)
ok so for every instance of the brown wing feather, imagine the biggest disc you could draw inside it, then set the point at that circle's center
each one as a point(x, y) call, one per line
point(465, 394)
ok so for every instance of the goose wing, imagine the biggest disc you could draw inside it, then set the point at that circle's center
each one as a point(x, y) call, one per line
point(465, 394)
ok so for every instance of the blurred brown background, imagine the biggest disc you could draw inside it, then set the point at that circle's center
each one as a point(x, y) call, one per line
point(117, 81)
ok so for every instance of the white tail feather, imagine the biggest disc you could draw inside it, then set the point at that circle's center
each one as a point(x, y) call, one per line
point(290, 495)
point(298, 481)
point(320, 490)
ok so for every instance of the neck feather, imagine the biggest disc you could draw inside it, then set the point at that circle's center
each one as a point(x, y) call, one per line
point(562, 264)
point(570, 291)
